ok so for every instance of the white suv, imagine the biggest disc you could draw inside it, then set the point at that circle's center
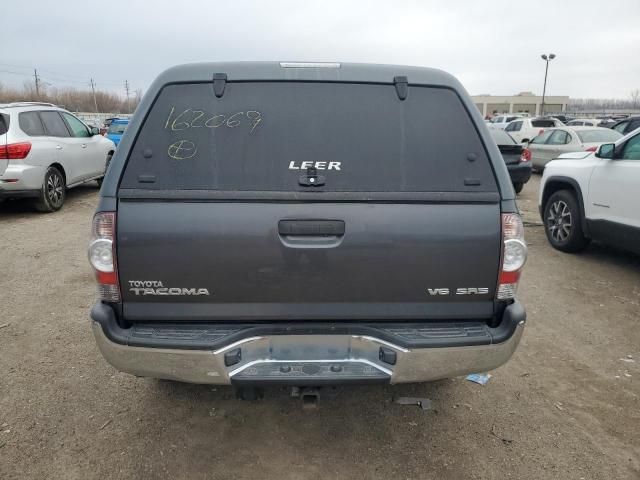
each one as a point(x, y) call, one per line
point(501, 121)
point(44, 150)
point(594, 195)
point(523, 130)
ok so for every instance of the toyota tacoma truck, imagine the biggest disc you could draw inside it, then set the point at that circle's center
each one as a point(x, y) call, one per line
point(306, 224)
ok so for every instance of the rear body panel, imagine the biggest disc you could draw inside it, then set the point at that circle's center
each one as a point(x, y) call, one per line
point(393, 261)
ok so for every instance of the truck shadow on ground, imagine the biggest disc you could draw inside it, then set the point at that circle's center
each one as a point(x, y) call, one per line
point(202, 427)
point(600, 253)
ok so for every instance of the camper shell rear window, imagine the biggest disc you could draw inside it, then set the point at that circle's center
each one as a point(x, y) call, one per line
point(272, 136)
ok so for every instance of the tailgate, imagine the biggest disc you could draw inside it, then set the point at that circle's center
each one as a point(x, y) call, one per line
point(238, 261)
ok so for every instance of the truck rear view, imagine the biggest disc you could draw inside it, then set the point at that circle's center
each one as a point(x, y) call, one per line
point(306, 224)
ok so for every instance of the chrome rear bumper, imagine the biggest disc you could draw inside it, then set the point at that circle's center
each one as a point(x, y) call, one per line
point(308, 359)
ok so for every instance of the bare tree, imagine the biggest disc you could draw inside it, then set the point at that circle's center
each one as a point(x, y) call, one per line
point(69, 98)
point(635, 98)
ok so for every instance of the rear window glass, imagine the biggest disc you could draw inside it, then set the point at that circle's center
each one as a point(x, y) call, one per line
point(501, 137)
point(4, 123)
point(263, 136)
point(30, 124)
point(595, 136)
point(54, 124)
point(117, 128)
point(543, 123)
point(543, 137)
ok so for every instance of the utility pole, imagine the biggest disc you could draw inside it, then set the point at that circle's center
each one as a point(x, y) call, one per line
point(37, 79)
point(93, 89)
point(126, 88)
point(547, 59)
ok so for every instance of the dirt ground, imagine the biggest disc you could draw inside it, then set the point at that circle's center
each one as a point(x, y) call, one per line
point(565, 407)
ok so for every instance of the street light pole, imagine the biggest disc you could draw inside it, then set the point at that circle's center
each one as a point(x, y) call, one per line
point(547, 59)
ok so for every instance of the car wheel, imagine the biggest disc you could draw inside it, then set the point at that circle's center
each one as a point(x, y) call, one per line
point(53, 191)
point(106, 167)
point(518, 187)
point(563, 222)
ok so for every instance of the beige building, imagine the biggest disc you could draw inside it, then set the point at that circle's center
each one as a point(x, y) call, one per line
point(524, 102)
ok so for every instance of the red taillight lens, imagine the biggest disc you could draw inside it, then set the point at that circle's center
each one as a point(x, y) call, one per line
point(15, 151)
point(102, 256)
point(541, 131)
point(526, 155)
point(514, 256)
point(591, 149)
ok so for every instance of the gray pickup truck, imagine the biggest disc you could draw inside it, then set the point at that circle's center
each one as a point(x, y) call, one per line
point(306, 224)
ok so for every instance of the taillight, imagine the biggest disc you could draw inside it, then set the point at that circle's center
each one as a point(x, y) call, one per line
point(541, 131)
point(526, 155)
point(102, 256)
point(15, 151)
point(591, 149)
point(514, 256)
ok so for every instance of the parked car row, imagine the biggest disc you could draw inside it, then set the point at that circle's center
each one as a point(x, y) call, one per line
point(584, 122)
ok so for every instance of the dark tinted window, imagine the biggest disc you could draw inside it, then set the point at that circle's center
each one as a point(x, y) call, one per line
point(514, 127)
point(117, 128)
point(31, 124)
point(632, 149)
point(543, 123)
point(4, 123)
point(621, 127)
point(54, 124)
point(633, 125)
point(264, 136)
point(78, 128)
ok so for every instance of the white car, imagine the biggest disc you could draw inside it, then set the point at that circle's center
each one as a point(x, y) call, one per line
point(44, 150)
point(584, 122)
point(501, 121)
point(554, 142)
point(523, 130)
point(594, 195)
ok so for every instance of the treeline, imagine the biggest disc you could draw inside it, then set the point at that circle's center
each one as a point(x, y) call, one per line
point(586, 104)
point(72, 99)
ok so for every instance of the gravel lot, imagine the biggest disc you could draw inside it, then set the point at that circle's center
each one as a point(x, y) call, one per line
point(565, 407)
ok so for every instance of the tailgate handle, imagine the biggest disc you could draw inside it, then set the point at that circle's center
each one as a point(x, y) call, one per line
point(314, 228)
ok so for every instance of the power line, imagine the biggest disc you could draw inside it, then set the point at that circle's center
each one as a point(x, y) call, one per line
point(59, 77)
point(16, 73)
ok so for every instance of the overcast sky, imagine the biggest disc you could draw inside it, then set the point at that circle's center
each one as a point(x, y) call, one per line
point(492, 46)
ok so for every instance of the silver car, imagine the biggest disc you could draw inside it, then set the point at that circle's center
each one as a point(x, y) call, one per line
point(554, 142)
point(44, 150)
